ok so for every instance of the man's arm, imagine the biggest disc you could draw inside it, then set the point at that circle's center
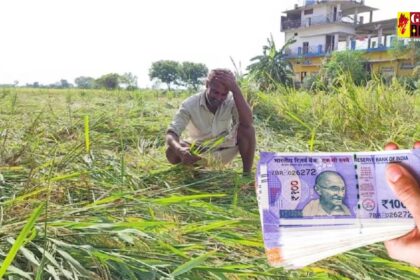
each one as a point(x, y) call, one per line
point(175, 129)
point(177, 126)
point(244, 111)
point(246, 132)
point(172, 140)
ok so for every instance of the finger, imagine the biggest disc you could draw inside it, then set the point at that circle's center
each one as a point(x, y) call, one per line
point(391, 146)
point(405, 248)
point(189, 160)
point(406, 188)
point(193, 158)
point(416, 145)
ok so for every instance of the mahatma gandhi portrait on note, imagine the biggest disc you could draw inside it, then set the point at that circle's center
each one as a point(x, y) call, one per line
point(331, 188)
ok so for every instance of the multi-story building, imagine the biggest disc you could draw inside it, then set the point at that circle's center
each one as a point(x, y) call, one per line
point(321, 27)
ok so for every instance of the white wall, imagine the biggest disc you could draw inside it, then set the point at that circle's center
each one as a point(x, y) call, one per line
point(319, 15)
point(316, 35)
point(329, 29)
point(313, 43)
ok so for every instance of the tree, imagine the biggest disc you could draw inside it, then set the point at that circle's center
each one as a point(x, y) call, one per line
point(410, 50)
point(192, 74)
point(349, 63)
point(129, 80)
point(271, 69)
point(167, 71)
point(64, 84)
point(109, 81)
point(85, 82)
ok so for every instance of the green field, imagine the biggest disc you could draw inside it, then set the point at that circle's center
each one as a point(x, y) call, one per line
point(115, 209)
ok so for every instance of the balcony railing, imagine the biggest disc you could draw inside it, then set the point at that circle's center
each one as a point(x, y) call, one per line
point(322, 50)
point(314, 20)
point(307, 51)
point(301, 3)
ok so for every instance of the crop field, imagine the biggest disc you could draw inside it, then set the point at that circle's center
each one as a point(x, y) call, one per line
point(87, 193)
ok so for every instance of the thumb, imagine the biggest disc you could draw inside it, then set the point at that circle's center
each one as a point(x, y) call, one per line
point(406, 188)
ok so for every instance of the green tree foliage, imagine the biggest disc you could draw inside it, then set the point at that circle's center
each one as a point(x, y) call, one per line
point(270, 69)
point(109, 81)
point(192, 74)
point(129, 80)
point(64, 84)
point(167, 71)
point(85, 82)
point(347, 62)
point(34, 85)
point(399, 49)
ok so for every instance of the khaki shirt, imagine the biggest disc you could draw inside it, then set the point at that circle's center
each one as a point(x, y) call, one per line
point(201, 124)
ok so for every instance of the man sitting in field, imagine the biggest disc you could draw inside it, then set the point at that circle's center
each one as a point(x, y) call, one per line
point(216, 122)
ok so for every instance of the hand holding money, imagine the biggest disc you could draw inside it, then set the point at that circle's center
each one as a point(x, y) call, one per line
point(407, 189)
point(316, 205)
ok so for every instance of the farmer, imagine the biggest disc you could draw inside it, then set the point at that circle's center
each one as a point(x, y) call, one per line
point(218, 124)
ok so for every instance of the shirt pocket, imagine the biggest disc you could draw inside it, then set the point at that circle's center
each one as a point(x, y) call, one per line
point(224, 124)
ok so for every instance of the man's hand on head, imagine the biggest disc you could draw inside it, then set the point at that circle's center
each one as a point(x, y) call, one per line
point(227, 78)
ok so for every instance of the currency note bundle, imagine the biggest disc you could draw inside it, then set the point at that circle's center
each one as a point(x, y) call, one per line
point(316, 205)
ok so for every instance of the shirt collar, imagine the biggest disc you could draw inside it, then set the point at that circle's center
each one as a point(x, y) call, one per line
point(203, 99)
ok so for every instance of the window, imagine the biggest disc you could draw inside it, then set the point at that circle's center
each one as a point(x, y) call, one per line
point(305, 47)
point(406, 65)
point(308, 12)
point(387, 71)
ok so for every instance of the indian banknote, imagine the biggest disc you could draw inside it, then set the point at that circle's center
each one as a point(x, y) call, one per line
point(316, 205)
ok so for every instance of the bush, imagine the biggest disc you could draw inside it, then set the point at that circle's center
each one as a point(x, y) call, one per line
point(347, 64)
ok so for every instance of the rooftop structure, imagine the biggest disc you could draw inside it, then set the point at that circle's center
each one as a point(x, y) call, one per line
point(321, 27)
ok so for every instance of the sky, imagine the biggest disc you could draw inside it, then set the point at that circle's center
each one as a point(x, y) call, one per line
point(48, 40)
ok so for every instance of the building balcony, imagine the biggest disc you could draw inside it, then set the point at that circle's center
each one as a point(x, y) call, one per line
point(321, 50)
point(300, 3)
point(287, 24)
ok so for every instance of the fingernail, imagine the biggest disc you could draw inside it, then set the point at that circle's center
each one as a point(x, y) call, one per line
point(394, 173)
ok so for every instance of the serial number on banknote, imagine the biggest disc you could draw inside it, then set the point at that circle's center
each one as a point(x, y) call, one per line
point(300, 172)
point(398, 214)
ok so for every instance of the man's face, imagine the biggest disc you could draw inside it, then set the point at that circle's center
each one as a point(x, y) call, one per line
point(331, 190)
point(216, 93)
